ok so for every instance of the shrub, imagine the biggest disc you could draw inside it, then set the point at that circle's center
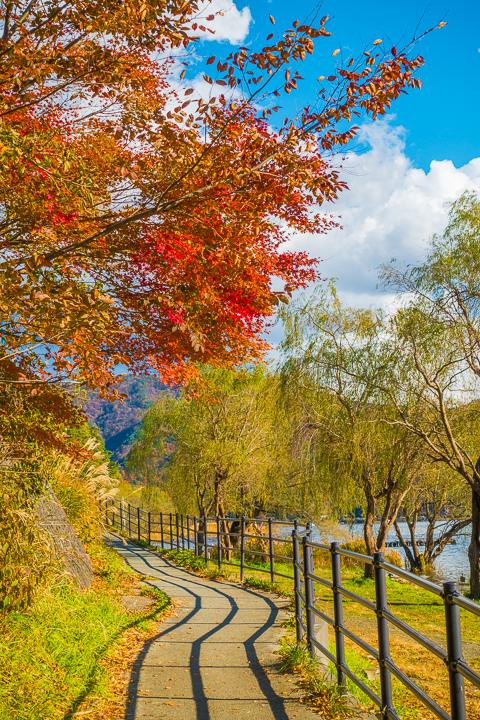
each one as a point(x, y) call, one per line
point(358, 545)
point(186, 559)
point(323, 692)
point(24, 553)
point(81, 486)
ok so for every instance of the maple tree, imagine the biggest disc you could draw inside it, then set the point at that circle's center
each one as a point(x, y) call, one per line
point(142, 225)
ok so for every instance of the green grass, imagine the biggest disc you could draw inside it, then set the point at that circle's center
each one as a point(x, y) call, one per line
point(51, 656)
point(322, 690)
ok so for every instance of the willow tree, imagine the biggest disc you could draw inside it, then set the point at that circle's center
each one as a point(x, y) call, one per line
point(436, 340)
point(439, 496)
point(219, 453)
point(334, 359)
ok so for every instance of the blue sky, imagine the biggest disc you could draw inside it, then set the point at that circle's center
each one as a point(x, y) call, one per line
point(411, 164)
point(442, 119)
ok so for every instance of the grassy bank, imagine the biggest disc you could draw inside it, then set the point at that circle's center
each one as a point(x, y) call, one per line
point(420, 609)
point(56, 658)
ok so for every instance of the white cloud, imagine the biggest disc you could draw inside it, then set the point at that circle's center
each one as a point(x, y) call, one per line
point(232, 27)
point(390, 211)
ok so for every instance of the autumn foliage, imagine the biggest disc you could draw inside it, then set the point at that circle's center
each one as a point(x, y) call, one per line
point(143, 225)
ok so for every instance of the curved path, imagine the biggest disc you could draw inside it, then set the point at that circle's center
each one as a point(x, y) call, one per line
point(216, 659)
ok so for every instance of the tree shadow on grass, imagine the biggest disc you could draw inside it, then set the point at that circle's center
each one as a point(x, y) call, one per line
point(161, 604)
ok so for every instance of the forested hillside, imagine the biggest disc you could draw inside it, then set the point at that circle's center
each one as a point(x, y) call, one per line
point(118, 421)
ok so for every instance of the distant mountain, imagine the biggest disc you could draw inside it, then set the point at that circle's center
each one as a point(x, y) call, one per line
point(118, 422)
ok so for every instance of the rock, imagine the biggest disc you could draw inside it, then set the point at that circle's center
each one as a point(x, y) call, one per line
point(66, 545)
point(371, 673)
point(321, 636)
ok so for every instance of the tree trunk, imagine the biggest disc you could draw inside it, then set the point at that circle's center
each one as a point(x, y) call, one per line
point(474, 549)
point(415, 563)
point(412, 528)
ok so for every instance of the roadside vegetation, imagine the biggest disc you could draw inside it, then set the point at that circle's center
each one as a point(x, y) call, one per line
point(58, 643)
point(58, 658)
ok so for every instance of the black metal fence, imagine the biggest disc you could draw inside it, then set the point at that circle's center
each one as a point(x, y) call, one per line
point(226, 537)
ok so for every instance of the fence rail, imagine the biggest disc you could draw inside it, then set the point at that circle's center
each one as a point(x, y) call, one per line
point(226, 536)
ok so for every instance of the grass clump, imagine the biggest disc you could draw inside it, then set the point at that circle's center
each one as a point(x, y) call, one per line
point(54, 656)
point(322, 692)
point(267, 586)
point(186, 559)
point(190, 561)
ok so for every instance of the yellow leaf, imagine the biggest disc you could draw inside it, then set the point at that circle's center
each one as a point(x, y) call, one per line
point(442, 24)
point(335, 52)
point(377, 42)
point(272, 20)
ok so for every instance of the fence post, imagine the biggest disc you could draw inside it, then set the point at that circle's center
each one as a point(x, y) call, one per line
point(171, 532)
point(309, 592)
point(297, 574)
point(149, 528)
point(383, 636)
point(270, 544)
point(177, 531)
point(338, 612)
point(129, 521)
point(454, 651)
point(205, 538)
point(121, 515)
point(161, 531)
point(139, 534)
point(242, 550)
point(195, 534)
point(219, 546)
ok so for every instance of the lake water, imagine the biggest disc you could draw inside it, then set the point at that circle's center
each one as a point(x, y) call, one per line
point(452, 563)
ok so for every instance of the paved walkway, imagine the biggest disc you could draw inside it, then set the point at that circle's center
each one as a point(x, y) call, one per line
point(216, 660)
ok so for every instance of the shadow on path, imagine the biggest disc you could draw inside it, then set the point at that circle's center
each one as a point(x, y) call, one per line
point(235, 630)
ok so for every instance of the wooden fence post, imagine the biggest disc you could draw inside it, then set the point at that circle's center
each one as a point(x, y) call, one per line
point(309, 587)
point(219, 546)
point(297, 573)
point(242, 550)
point(338, 611)
point(205, 537)
point(270, 544)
